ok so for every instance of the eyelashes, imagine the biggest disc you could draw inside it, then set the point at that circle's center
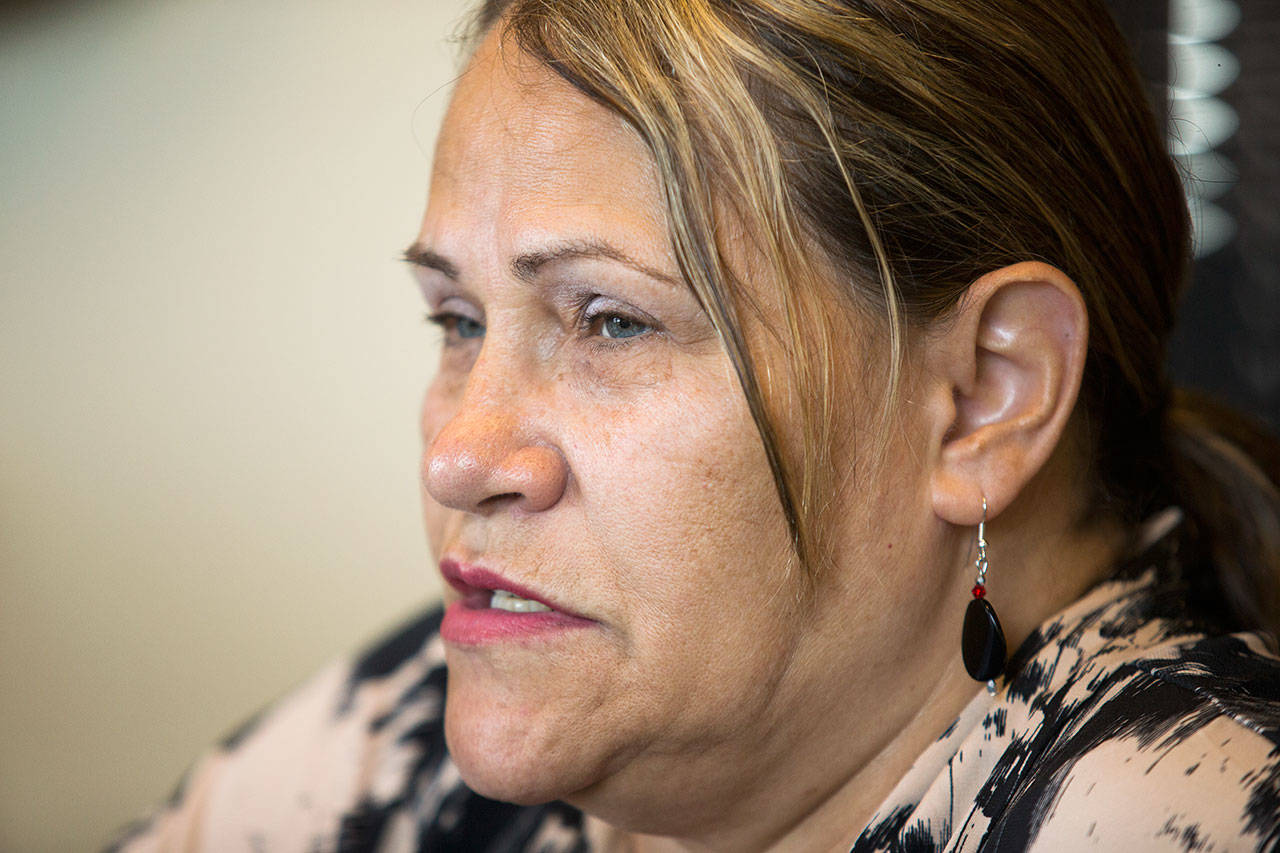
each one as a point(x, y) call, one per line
point(607, 320)
point(595, 316)
point(610, 323)
point(456, 327)
point(617, 327)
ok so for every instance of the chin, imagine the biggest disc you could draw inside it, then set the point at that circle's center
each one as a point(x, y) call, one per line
point(508, 753)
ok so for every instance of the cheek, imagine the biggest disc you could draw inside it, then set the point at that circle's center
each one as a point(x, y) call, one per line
point(672, 462)
point(681, 505)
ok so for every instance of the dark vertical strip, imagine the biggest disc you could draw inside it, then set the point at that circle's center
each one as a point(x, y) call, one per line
point(1145, 23)
point(1228, 340)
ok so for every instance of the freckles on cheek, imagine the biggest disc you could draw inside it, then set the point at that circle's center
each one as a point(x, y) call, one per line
point(642, 376)
point(681, 464)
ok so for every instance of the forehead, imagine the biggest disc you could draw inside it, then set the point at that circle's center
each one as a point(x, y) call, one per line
point(521, 143)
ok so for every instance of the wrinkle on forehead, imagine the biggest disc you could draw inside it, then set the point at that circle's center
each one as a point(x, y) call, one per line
point(518, 98)
point(542, 161)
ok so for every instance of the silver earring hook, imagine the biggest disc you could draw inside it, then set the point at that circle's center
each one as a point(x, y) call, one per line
point(981, 562)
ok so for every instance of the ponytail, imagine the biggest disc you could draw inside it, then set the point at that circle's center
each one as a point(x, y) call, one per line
point(1226, 475)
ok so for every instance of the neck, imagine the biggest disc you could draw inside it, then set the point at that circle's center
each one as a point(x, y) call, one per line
point(829, 818)
point(821, 788)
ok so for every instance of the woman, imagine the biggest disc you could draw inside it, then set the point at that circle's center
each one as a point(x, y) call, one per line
point(768, 326)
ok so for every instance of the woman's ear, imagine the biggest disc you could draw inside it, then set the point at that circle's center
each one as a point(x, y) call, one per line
point(1003, 372)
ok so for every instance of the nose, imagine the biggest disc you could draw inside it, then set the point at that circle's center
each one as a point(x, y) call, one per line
point(489, 455)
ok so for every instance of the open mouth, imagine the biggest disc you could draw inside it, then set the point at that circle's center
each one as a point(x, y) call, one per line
point(494, 609)
point(482, 588)
point(501, 599)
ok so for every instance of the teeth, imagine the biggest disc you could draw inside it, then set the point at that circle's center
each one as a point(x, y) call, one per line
point(503, 600)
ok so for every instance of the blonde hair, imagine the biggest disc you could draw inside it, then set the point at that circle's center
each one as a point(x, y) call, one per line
point(897, 150)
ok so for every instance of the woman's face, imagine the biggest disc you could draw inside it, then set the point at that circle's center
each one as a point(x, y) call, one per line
point(588, 447)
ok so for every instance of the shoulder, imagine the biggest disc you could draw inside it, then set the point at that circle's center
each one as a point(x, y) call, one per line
point(300, 769)
point(1176, 748)
point(354, 759)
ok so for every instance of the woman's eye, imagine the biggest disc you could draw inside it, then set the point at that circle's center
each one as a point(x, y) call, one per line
point(468, 328)
point(456, 325)
point(616, 326)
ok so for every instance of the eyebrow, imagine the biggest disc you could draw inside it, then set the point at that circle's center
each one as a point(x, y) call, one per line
point(526, 266)
point(420, 256)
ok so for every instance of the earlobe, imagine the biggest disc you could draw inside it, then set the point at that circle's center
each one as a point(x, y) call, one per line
point(1006, 372)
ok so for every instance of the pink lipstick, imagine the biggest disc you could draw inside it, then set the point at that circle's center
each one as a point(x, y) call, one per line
point(473, 621)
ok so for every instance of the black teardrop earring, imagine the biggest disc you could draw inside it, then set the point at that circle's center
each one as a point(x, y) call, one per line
point(983, 640)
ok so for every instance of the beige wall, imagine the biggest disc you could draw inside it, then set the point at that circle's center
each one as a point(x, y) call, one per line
point(210, 364)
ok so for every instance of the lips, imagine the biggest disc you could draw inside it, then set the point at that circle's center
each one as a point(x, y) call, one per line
point(476, 580)
point(472, 621)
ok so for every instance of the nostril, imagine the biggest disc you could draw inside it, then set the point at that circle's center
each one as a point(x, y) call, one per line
point(540, 473)
point(485, 461)
point(496, 501)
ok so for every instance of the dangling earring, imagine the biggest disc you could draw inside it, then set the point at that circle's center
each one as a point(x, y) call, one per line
point(983, 640)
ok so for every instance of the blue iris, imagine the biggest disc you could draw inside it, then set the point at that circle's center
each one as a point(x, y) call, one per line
point(622, 327)
point(468, 328)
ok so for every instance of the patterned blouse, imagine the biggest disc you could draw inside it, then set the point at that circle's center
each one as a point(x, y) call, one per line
point(1124, 723)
